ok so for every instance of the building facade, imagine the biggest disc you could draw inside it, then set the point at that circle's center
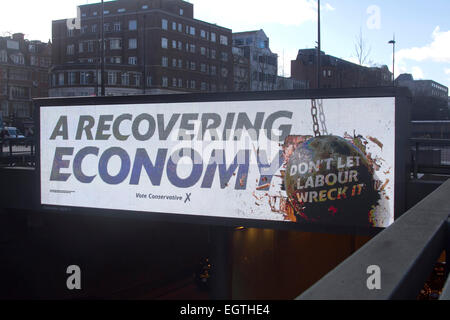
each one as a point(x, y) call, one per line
point(430, 98)
point(151, 47)
point(425, 88)
point(256, 67)
point(336, 72)
point(24, 70)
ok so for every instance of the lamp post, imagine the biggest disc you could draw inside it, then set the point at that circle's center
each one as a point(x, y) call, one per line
point(393, 60)
point(318, 45)
point(102, 48)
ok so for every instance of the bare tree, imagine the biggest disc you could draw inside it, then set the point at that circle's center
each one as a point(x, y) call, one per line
point(362, 50)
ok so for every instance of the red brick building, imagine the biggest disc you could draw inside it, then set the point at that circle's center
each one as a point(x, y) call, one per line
point(24, 67)
point(151, 47)
point(336, 72)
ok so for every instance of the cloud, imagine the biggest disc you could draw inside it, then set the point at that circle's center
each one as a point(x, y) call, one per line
point(255, 14)
point(437, 51)
point(329, 7)
point(417, 73)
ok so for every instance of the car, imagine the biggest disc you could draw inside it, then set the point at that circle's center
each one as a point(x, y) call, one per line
point(13, 132)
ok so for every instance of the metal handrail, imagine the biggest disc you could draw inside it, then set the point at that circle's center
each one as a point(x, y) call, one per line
point(405, 254)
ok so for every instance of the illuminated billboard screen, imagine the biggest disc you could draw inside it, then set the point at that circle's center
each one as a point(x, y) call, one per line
point(297, 161)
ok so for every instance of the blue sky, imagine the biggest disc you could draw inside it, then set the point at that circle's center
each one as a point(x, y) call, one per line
point(422, 28)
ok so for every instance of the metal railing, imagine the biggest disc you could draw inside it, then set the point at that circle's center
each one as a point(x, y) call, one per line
point(430, 156)
point(404, 254)
point(17, 152)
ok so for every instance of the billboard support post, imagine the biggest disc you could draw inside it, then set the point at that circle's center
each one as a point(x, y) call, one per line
point(221, 276)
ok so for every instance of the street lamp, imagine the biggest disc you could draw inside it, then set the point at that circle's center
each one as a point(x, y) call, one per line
point(102, 48)
point(393, 60)
point(318, 45)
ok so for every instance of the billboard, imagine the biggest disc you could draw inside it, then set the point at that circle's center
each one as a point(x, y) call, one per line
point(295, 161)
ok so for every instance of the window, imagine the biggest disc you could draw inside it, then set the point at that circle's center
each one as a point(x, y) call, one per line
point(3, 56)
point(121, 10)
point(174, 63)
point(224, 72)
point(165, 82)
point(83, 78)
point(203, 67)
point(34, 61)
point(61, 79)
point(137, 79)
point(174, 26)
point(180, 83)
point(192, 48)
point(213, 37)
point(180, 45)
point(213, 54)
point(116, 60)
point(164, 43)
point(132, 60)
point(193, 66)
point(90, 46)
point(80, 47)
point(132, 25)
point(84, 29)
point(192, 31)
point(45, 62)
point(164, 24)
point(132, 43)
point(224, 56)
point(174, 82)
point(144, 7)
point(165, 62)
point(125, 79)
point(70, 32)
point(106, 27)
point(192, 84)
point(180, 63)
point(180, 27)
point(213, 70)
point(72, 78)
point(117, 26)
point(174, 44)
point(181, 12)
point(203, 86)
point(203, 33)
point(203, 51)
point(115, 44)
point(112, 78)
point(149, 81)
point(94, 28)
point(224, 40)
point(70, 49)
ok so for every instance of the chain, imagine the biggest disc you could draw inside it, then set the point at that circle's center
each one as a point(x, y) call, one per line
point(314, 112)
point(322, 118)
